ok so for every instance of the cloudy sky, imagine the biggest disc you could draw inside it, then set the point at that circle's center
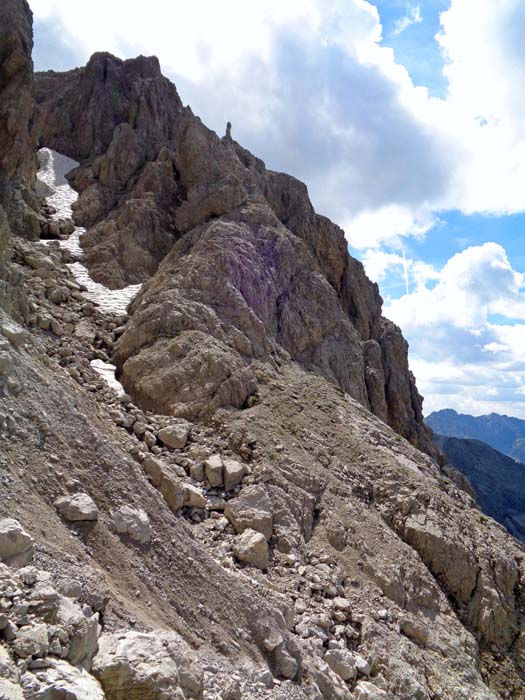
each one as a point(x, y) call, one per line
point(407, 122)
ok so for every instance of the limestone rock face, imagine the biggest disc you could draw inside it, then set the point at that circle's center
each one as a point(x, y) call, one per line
point(252, 510)
point(125, 114)
point(249, 271)
point(17, 161)
point(373, 566)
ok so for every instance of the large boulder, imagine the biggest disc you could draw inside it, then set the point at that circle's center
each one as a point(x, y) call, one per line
point(342, 662)
point(252, 548)
point(234, 473)
point(78, 507)
point(16, 545)
point(139, 666)
point(31, 640)
point(176, 434)
point(252, 509)
point(61, 681)
point(134, 523)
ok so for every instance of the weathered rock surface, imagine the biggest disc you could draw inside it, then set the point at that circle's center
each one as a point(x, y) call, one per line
point(77, 507)
point(252, 548)
point(498, 481)
point(62, 681)
point(374, 553)
point(135, 666)
point(16, 545)
point(253, 510)
point(17, 161)
point(134, 523)
point(175, 435)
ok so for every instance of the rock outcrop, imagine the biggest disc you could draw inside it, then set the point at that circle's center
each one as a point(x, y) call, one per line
point(154, 179)
point(17, 159)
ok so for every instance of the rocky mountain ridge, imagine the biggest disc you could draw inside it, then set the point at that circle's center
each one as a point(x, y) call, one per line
point(498, 481)
point(503, 433)
point(154, 178)
point(292, 547)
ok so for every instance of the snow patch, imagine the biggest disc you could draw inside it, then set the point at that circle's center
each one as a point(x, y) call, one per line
point(107, 372)
point(52, 172)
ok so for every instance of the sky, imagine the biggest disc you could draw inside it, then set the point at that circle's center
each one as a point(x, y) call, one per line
point(406, 120)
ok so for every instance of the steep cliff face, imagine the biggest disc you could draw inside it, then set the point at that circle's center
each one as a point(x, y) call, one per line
point(119, 119)
point(16, 91)
point(252, 274)
point(17, 160)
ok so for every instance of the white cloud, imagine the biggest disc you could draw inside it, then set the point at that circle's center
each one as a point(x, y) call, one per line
point(413, 16)
point(460, 357)
point(309, 87)
point(377, 263)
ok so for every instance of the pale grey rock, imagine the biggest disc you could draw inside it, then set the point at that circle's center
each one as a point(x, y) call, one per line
point(368, 691)
point(14, 333)
point(193, 496)
point(286, 664)
point(31, 640)
point(16, 545)
point(416, 631)
point(139, 666)
point(252, 509)
point(78, 507)
point(82, 632)
point(154, 468)
point(197, 471)
point(172, 490)
point(9, 677)
point(166, 480)
point(251, 547)
point(62, 681)
point(133, 522)
point(214, 470)
point(175, 435)
point(234, 472)
point(342, 662)
point(362, 666)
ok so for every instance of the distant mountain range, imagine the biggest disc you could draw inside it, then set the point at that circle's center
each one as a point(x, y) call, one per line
point(503, 433)
point(498, 480)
